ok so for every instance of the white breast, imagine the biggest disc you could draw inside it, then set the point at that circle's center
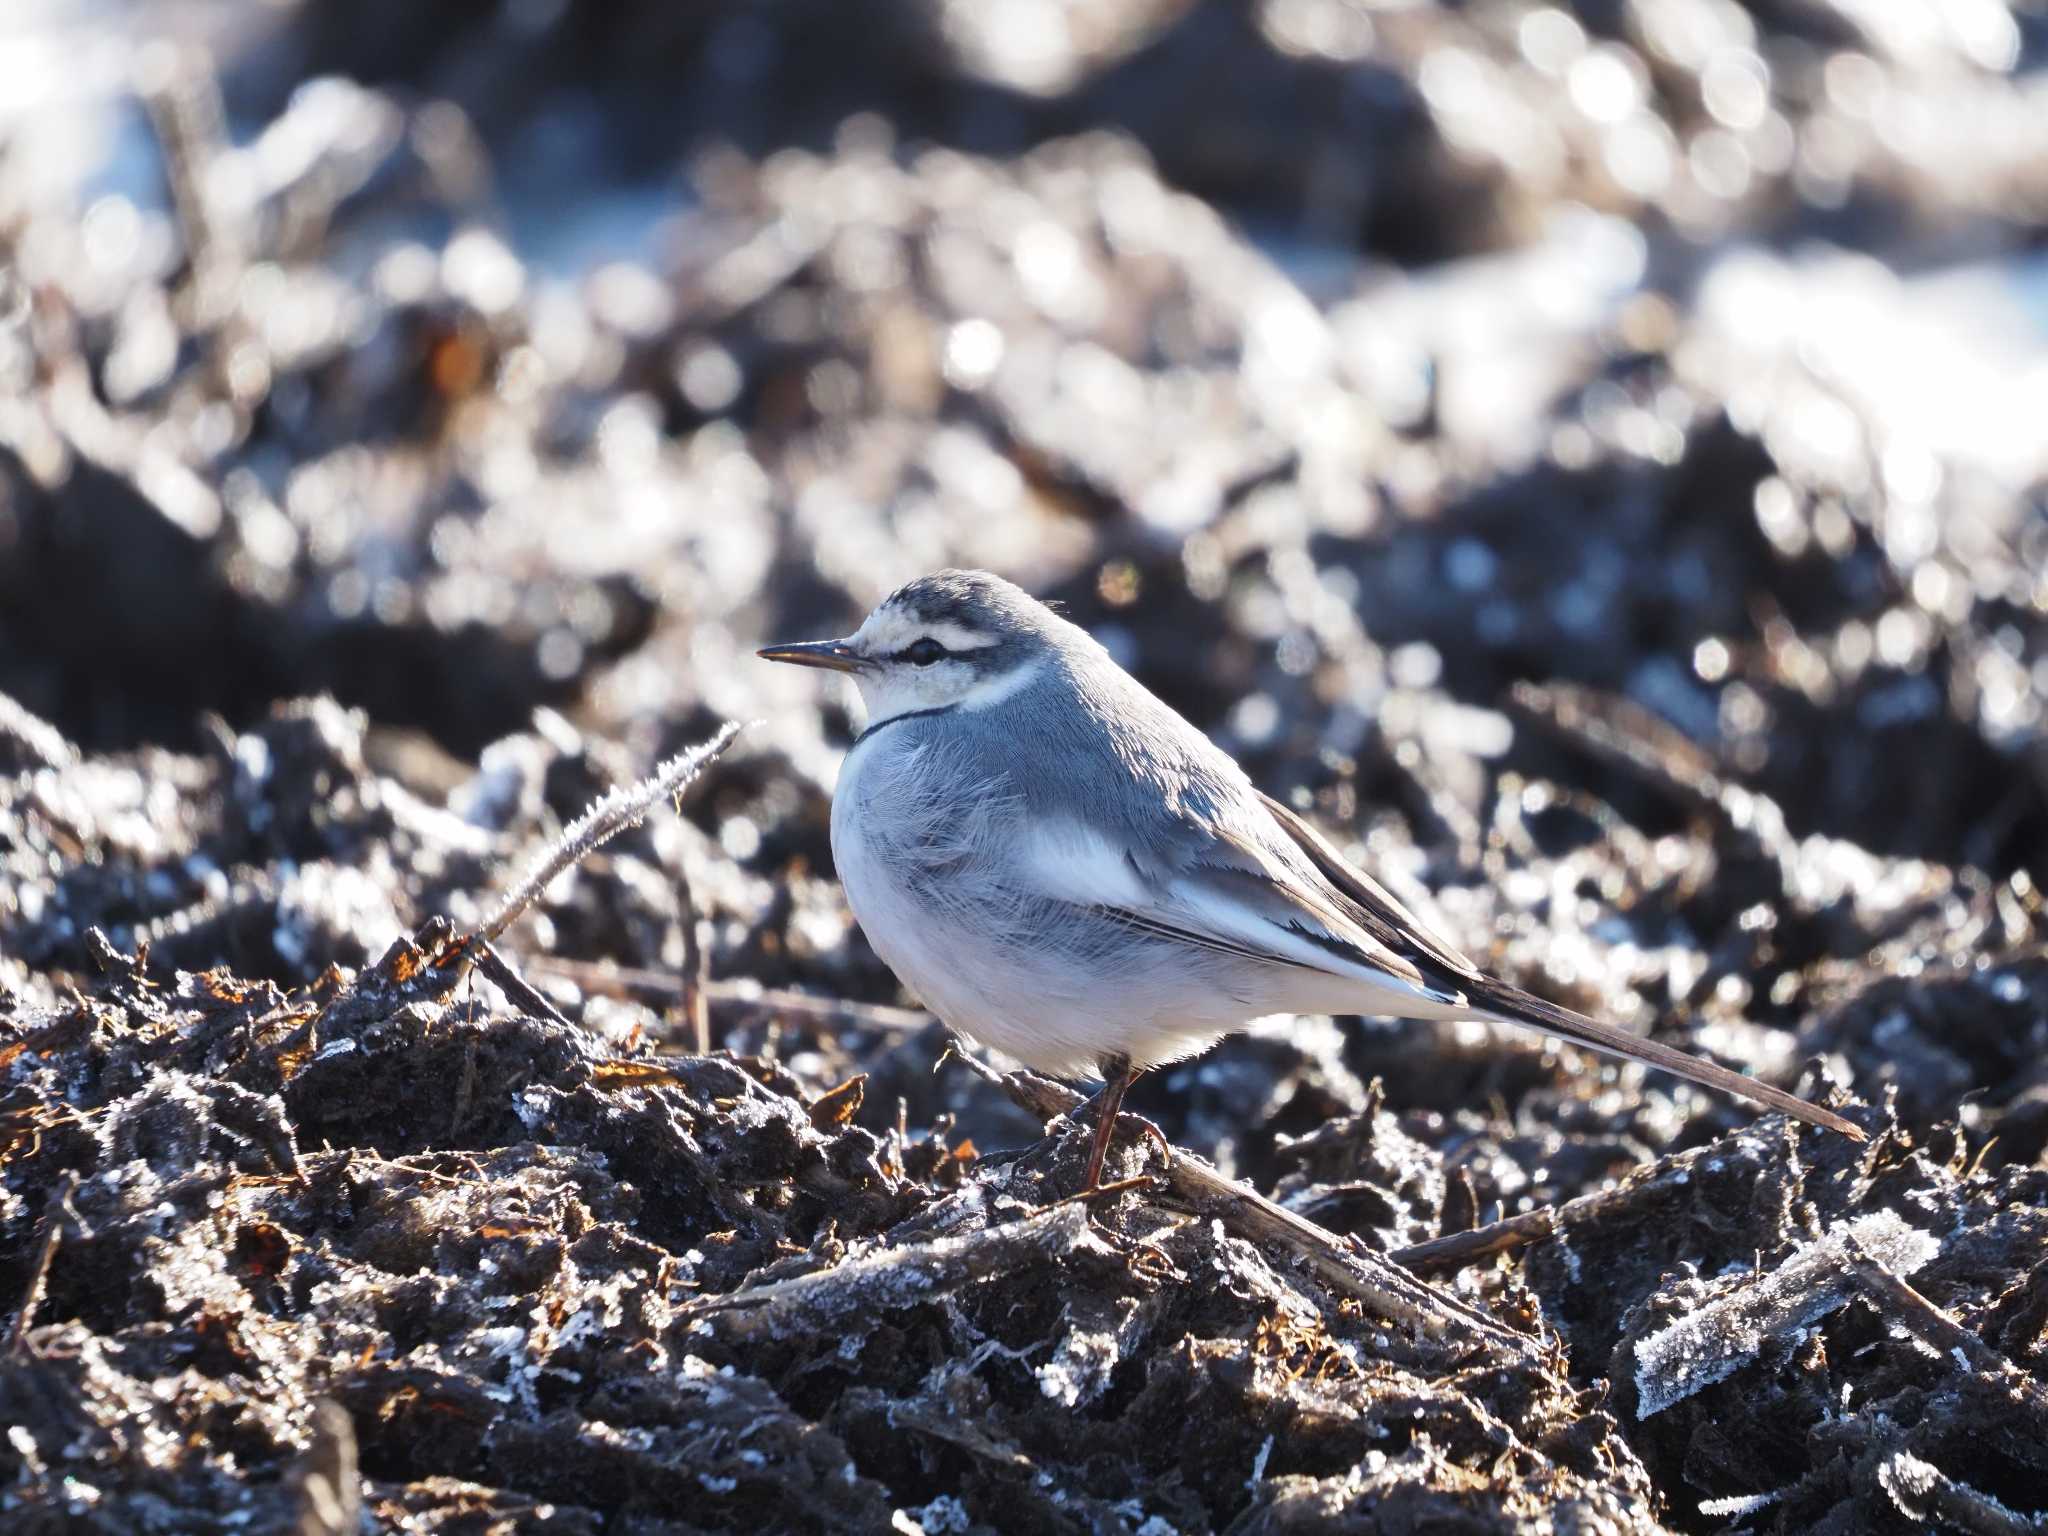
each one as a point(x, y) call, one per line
point(908, 835)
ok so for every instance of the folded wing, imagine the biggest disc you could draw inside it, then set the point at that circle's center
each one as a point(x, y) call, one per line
point(1293, 900)
point(1220, 890)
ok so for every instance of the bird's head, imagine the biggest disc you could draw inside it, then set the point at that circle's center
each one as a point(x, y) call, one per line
point(951, 640)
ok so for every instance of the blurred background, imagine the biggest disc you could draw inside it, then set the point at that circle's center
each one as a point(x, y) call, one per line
point(1592, 457)
point(1345, 365)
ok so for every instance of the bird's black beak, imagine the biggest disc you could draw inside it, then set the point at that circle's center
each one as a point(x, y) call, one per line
point(833, 655)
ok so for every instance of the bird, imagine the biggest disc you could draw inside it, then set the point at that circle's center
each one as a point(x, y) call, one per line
point(1064, 869)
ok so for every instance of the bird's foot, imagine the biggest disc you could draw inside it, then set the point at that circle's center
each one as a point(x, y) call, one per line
point(1127, 1124)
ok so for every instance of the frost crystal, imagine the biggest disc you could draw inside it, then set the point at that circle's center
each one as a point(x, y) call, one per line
point(1735, 1506)
point(1715, 1342)
point(945, 1515)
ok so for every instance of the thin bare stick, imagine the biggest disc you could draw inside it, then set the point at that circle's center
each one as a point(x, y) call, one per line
point(880, 1016)
point(515, 986)
point(55, 1213)
point(346, 1154)
point(1938, 1330)
point(1103, 1192)
point(696, 975)
point(622, 808)
point(1458, 1249)
point(1367, 1277)
point(1359, 1273)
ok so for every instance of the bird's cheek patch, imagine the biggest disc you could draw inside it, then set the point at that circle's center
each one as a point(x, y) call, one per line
point(991, 691)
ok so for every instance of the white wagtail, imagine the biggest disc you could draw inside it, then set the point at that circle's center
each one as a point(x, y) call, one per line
point(1064, 869)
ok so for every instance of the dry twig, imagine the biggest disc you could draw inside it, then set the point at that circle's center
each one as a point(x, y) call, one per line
point(604, 819)
point(861, 1286)
point(55, 1213)
point(622, 808)
point(1359, 1273)
point(1939, 1331)
point(1458, 1249)
point(522, 993)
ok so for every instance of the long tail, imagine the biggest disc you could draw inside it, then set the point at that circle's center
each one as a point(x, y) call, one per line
point(1511, 1005)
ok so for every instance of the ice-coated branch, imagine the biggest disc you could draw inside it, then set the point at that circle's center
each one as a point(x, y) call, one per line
point(887, 1278)
point(1369, 1278)
point(624, 807)
point(1714, 1342)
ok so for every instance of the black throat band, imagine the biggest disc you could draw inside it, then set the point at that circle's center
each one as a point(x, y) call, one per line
point(908, 714)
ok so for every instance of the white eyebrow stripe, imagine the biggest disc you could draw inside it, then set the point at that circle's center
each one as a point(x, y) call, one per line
point(956, 637)
point(889, 630)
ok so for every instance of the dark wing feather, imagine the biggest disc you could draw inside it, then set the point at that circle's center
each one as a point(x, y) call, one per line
point(1372, 906)
point(1375, 910)
point(1237, 865)
point(1159, 928)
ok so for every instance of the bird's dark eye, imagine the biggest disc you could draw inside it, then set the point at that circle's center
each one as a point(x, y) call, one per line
point(922, 652)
